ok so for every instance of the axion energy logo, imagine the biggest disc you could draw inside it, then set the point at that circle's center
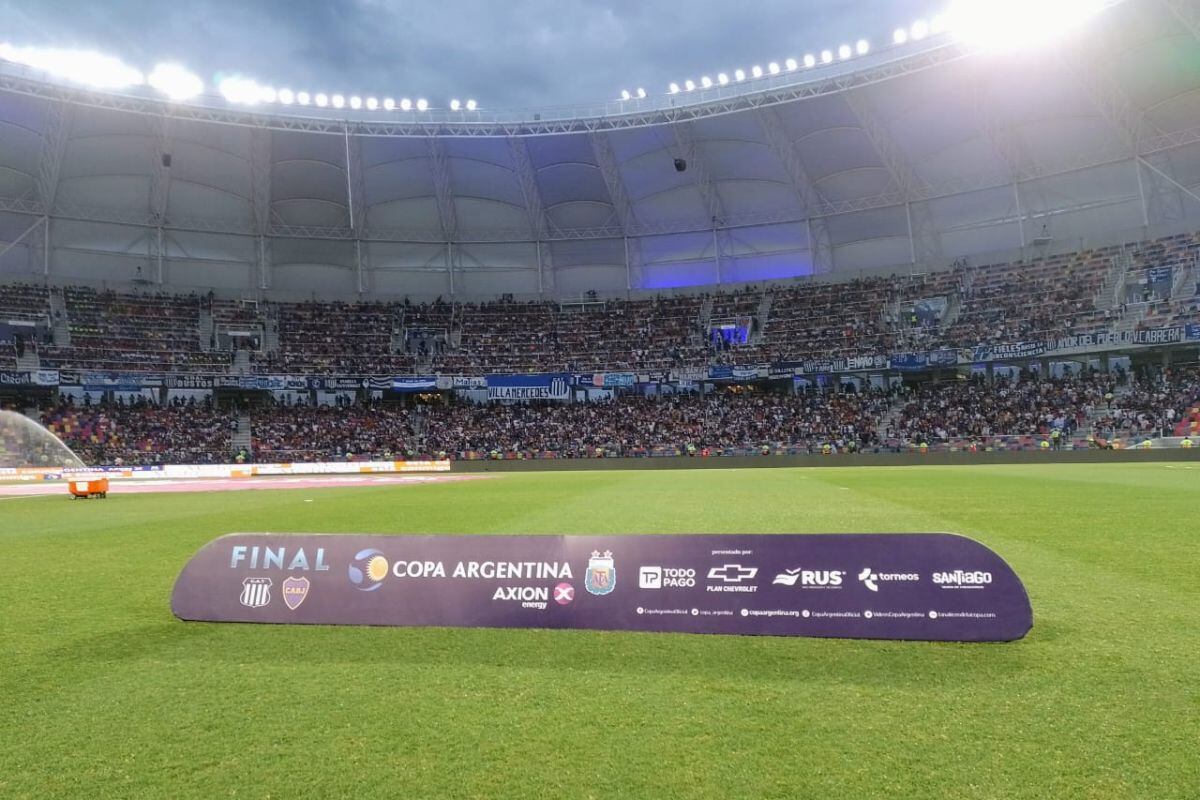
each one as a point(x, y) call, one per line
point(776, 585)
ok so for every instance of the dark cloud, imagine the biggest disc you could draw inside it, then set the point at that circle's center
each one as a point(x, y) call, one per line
point(505, 53)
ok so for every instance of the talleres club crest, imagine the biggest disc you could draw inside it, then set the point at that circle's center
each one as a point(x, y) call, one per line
point(601, 576)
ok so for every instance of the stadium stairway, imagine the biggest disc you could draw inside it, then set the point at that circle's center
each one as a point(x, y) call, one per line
point(206, 329)
point(60, 329)
point(242, 437)
point(241, 363)
point(29, 361)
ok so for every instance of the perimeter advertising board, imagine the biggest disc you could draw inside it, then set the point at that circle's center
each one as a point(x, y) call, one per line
point(938, 587)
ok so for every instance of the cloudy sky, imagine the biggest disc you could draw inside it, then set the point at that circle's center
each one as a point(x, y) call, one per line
point(504, 53)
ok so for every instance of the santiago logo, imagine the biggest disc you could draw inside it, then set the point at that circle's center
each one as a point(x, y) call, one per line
point(601, 576)
point(367, 570)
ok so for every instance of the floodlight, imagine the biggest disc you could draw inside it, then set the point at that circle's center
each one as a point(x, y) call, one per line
point(455, 105)
point(845, 52)
point(240, 90)
point(422, 104)
point(79, 66)
point(756, 71)
point(321, 99)
point(826, 56)
point(175, 82)
point(471, 103)
point(372, 104)
point(862, 47)
point(302, 98)
point(920, 30)
point(773, 68)
point(673, 88)
point(286, 96)
point(268, 94)
point(641, 93)
point(739, 75)
point(389, 104)
point(706, 82)
point(939, 24)
point(1016, 23)
point(625, 95)
point(338, 101)
point(810, 61)
point(791, 65)
point(689, 84)
point(355, 102)
point(900, 36)
point(405, 104)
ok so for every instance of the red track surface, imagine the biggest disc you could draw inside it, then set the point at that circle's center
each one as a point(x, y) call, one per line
point(156, 486)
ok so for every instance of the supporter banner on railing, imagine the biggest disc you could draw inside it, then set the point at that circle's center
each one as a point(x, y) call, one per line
point(334, 384)
point(933, 587)
point(992, 352)
point(185, 381)
point(1159, 336)
point(380, 382)
point(606, 380)
point(909, 362)
point(415, 383)
point(10, 378)
point(546, 386)
point(1192, 332)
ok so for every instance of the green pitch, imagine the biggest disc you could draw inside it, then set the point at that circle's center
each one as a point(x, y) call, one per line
point(104, 694)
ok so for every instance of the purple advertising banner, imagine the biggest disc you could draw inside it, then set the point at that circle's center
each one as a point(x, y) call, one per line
point(929, 586)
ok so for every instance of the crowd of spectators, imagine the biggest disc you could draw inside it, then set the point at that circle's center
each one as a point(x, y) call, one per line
point(321, 433)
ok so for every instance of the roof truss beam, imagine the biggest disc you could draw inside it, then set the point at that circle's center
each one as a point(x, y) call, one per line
point(440, 169)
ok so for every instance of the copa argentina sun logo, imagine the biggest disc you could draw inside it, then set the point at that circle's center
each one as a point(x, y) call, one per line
point(368, 569)
point(601, 577)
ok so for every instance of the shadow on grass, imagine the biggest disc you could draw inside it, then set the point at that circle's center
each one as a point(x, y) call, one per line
point(705, 657)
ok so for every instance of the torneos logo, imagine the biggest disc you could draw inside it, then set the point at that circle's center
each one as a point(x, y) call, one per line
point(872, 579)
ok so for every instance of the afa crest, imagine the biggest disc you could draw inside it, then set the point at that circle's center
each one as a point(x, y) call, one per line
point(601, 576)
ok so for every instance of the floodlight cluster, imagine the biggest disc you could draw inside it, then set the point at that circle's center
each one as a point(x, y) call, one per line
point(177, 83)
point(844, 52)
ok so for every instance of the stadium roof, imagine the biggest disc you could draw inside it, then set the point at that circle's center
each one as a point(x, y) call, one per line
point(909, 157)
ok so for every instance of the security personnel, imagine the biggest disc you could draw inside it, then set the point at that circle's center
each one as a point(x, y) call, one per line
point(826, 449)
point(1056, 438)
point(1045, 445)
point(1186, 444)
point(924, 447)
point(1147, 444)
point(765, 450)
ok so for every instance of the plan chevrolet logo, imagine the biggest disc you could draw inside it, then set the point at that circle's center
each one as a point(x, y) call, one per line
point(732, 573)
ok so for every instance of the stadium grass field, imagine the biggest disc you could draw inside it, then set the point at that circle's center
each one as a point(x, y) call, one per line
point(104, 694)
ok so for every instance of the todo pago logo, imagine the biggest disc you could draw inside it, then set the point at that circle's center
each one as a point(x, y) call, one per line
point(368, 569)
point(601, 576)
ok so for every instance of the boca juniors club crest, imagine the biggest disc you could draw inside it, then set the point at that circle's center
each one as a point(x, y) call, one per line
point(256, 592)
point(294, 592)
point(601, 577)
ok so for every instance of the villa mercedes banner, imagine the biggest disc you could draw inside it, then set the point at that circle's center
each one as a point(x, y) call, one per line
point(935, 587)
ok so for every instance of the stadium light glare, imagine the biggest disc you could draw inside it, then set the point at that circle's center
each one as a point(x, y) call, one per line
point(422, 104)
point(844, 52)
point(338, 101)
point(739, 74)
point(268, 94)
point(826, 56)
point(372, 104)
point(286, 96)
point(756, 71)
point(78, 66)
point(689, 85)
point(471, 105)
point(920, 29)
point(175, 82)
point(355, 102)
point(405, 104)
point(722, 78)
point(240, 90)
point(810, 61)
point(455, 105)
point(939, 24)
point(1017, 24)
point(389, 104)
point(773, 68)
point(673, 88)
point(862, 47)
point(899, 36)
point(303, 98)
point(791, 65)
point(321, 99)
point(625, 95)
point(706, 82)
point(641, 93)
